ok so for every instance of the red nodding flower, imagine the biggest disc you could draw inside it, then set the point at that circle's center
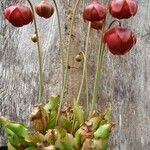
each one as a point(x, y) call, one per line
point(123, 9)
point(119, 40)
point(18, 15)
point(44, 9)
point(94, 12)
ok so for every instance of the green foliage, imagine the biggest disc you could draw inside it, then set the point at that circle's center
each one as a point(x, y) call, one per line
point(78, 113)
point(103, 131)
point(72, 132)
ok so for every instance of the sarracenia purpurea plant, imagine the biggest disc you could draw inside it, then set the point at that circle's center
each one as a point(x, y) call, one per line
point(57, 125)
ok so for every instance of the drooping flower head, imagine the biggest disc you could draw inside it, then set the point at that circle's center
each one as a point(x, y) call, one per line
point(94, 12)
point(123, 9)
point(119, 40)
point(18, 15)
point(44, 9)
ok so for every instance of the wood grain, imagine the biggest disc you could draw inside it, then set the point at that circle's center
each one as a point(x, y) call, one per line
point(125, 81)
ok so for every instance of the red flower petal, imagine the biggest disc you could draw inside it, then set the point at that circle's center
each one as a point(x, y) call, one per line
point(117, 5)
point(15, 18)
point(94, 14)
point(26, 14)
point(127, 45)
point(123, 33)
point(132, 4)
point(8, 11)
point(114, 43)
point(107, 33)
point(101, 13)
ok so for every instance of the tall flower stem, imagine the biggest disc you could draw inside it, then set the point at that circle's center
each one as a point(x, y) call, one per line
point(84, 75)
point(41, 78)
point(86, 69)
point(99, 63)
point(67, 60)
point(98, 72)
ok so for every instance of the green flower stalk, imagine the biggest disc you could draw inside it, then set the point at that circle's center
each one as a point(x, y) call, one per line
point(85, 72)
point(66, 63)
point(41, 76)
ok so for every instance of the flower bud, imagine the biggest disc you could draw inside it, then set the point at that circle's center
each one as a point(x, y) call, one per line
point(44, 9)
point(39, 119)
point(119, 40)
point(78, 58)
point(34, 38)
point(123, 9)
point(94, 12)
point(18, 15)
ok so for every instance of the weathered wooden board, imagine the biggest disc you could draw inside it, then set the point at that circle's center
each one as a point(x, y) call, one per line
point(125, 82)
